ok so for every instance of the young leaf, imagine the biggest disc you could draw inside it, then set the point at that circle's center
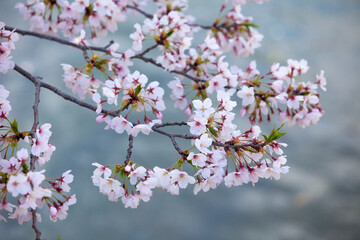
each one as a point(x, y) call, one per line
point(138, 89)
point(14, 127)
point(275, 134)
point(213, 132)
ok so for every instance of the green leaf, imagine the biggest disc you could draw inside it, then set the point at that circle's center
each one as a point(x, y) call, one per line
point(170, 33)
point(275, 134)
point(58, 238)
point(204, 95)
point(101, 62)
point(265, 137)
point(251, 150)
point(14, 127)
point(4, 177)
point(213, 132)
point(25, 168)
point(138, 89)
point(278, 135)
point(250, 24)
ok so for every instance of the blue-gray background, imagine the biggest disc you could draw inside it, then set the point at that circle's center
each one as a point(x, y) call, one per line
point(318, 199)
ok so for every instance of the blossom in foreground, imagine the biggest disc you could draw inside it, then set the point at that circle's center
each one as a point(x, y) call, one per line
point(30, 189)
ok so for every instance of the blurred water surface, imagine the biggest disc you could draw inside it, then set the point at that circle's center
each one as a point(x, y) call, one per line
point(318, 199)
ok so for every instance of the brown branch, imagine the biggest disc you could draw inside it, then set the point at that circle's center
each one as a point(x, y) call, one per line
point(129, 151)
point(45, 36)
point(178, 149)
point(173, 135)
point(86, 56)
point(243, 146)
point(171, 124)
point(37, 232)
point(59, 92)
point(32, 157)
point(145, 51)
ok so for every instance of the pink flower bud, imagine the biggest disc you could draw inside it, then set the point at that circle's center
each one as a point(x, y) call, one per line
point(187, 112)
point(159, 115)
point(243, 111)
point(100, 118)
point(53, 211)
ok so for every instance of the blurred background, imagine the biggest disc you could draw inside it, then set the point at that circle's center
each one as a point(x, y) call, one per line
point(318, 199)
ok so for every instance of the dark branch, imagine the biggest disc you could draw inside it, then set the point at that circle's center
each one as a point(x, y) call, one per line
point(171, 124)
point(37, 232)
point(140, 55)
point(59, 92)
point(178, 149)
point(129, 151)
point(109, 44)
point(173, 135)
point(45, 36)
point(32, 157)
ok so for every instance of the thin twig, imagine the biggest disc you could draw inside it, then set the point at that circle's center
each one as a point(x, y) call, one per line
point(148, 15)
point(176, 146)
point(109, 44)
point(174, 135)
point(86, 56)
point(146, 51)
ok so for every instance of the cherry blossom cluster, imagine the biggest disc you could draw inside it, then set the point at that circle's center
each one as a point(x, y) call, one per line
point(205, 86)
point(5, 106)
point(238, 3)
point(171, 30)
point(235, 32)
point(251, 157)
point(260, 94)
point(70, 18)
point(218, 144)
point(215, 136)
point(208, 70)
point(135, 183)
point(133, 89)
point(7, 40)
point(137, 96)
point(19, 180)
point(284, 87)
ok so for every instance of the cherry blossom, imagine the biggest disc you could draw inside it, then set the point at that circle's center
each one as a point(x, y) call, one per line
point(6, 47)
